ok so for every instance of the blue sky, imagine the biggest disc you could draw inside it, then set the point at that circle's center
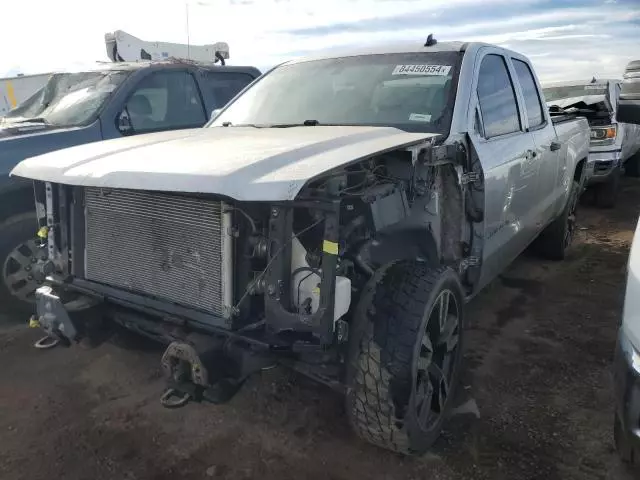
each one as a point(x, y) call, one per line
point(564, 39)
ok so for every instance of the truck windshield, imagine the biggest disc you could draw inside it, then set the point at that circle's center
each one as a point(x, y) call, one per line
point(68, 99)
point(410, 91)
point(573, 91)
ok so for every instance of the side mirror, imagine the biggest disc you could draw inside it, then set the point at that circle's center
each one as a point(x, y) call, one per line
point(215, 113)
point(629, 102)
point(123, 123)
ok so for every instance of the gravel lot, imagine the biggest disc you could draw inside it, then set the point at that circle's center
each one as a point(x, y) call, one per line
point(536, 400)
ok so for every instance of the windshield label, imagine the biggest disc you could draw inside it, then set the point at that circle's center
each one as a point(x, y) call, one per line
point(440, 70)
point(594, 87)
point(419, 117)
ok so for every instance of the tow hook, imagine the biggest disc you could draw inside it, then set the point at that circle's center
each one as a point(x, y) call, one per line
point(206, 372)
point(171, 398)
point(45, 342)
point(186, 375)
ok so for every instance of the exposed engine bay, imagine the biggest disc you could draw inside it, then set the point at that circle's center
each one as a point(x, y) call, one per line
point(260, 277)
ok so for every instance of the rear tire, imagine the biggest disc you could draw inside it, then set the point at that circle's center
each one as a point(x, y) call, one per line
point(17, 239)
point(607, 193)
point(555, 240)
point(404, 356)
point(632, 167)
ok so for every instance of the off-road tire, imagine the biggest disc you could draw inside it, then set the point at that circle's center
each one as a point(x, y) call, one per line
point(14, 231)
point(385, 348)
point(632, 166)
point(555, 240)
point(606, 194)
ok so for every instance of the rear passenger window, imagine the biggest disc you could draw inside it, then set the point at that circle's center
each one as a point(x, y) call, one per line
point(497, 98)
point(225, 85)
point(530, 92)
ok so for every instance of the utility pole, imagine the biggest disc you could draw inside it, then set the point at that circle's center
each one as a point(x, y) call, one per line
point(186, 5)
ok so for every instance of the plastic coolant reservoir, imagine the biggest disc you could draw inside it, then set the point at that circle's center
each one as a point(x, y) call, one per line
point(305, 285)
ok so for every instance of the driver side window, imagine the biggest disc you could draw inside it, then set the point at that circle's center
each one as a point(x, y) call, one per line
point(163, 101)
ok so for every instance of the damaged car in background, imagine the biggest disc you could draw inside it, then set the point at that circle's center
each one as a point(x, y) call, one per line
point(335, 217)
point(106, 101)
point(615, 146)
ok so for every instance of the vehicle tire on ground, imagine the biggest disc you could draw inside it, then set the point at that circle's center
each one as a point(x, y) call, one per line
point(632, 166)
point(556, 238)
point(404, 356)
point(625, 450)
point(19, 254)
point(606, 194)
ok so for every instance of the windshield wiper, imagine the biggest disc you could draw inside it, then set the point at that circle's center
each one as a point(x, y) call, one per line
point(41, 120)
point(306, 123)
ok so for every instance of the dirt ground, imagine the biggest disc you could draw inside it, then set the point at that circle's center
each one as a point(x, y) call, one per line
point(535, 401)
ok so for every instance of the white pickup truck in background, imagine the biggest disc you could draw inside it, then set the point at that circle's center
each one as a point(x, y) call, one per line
point(615, 145)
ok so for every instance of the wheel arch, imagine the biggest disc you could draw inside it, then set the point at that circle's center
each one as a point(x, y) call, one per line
point(16, 200)
point(409, 243)
point(579, 172)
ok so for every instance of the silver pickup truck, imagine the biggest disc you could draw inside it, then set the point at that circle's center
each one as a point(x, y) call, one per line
point(335, 217)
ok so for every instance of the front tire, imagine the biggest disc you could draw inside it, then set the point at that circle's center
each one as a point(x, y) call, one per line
point(404, 356)
point(19, 256)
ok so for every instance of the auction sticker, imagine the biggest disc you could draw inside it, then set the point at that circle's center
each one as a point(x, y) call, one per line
point(421, 70)
point(419, 117)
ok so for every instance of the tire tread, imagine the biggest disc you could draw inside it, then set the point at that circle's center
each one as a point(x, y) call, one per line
point(394, 317)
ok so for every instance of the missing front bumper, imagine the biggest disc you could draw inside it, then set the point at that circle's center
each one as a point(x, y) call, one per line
point(56, 317)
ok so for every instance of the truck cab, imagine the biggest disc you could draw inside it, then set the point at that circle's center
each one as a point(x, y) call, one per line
point(107, 102)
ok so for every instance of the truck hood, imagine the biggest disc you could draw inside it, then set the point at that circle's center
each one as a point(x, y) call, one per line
point(244, 163)
point(583, 101)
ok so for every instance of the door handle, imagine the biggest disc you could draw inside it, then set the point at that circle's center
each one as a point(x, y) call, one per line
point(555, 146)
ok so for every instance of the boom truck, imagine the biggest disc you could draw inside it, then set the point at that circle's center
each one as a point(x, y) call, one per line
point(121, 47)
point(147, 87)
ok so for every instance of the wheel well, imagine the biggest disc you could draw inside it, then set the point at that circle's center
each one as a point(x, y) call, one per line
point(16, 201)
point(405, 244)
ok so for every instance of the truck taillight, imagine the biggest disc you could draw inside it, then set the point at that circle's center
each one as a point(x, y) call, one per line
point(603, 135)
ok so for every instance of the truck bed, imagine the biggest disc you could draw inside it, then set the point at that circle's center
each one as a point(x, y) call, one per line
point(573, 134)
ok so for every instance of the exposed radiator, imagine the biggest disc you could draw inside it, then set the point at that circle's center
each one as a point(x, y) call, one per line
point(167, 246)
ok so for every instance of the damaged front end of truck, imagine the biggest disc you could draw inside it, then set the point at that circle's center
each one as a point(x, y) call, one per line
point(232, 287)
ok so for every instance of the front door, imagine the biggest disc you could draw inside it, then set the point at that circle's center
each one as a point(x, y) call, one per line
point(162, 100)
point(505, 149)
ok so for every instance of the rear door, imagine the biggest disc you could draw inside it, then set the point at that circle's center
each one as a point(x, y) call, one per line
point(504, 147)
point(545, 156)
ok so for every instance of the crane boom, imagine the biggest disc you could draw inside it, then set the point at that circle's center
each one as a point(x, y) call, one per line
point(124, 47)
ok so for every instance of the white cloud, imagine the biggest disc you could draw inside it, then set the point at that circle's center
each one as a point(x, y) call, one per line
point(595, 39)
